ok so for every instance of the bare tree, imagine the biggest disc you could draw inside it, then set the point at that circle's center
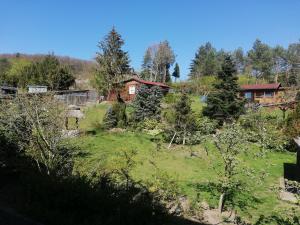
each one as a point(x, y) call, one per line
point(37, 123)
point(157, 61)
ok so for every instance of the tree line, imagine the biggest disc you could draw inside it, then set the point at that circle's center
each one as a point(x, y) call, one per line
point(272, 64)
point(55, 72)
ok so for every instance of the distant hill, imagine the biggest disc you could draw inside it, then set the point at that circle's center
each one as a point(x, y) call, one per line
point(82, 69)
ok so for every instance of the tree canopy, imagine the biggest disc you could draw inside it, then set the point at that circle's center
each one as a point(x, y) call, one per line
point(223, 103)
point(113, 61)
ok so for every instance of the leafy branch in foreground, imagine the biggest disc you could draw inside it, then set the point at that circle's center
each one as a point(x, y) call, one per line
point(36, 123)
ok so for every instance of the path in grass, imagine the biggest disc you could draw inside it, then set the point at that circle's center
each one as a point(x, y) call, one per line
point(191, 172)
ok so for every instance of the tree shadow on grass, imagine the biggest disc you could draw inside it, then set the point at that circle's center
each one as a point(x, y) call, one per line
point(241, 199)
point(78, 200)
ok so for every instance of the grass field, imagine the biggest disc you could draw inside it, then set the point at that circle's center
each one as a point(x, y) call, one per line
point(192, 173)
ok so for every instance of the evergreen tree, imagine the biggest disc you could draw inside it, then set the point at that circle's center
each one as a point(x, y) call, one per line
point(260, 57)
point(239, 60)
point(293, 57)
point(184, 121)
point(113, 62)
point(115, 116)
point(223, 103)
point(176, 73)
point(147, 103)
point(205, 62)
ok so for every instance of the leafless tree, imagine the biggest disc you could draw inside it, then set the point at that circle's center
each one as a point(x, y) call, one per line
point(37, 122)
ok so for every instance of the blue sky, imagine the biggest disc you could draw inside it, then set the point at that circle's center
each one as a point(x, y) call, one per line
point(74, 27)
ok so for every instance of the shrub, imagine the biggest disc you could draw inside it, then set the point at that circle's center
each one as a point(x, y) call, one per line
point(115, 116)
point(147, 104)
point(206, 126)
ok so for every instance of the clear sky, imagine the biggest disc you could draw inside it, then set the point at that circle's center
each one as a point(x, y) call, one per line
point(74, 27)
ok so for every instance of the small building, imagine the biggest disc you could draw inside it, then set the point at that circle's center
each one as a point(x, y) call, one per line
point(130, 87)
point(8, 91)
point(76, 97)
point(37, 89)
point(263, 93)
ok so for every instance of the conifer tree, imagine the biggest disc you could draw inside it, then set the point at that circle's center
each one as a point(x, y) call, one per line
point(147, 103)
point(224, 103)
point(176, 73)
point(112, 60)
point(184, 121)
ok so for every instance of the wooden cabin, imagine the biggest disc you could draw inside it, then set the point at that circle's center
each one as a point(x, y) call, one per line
point(130, 87)
point(263, 93)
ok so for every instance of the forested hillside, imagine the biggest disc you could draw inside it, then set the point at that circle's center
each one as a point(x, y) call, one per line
point(14, 65)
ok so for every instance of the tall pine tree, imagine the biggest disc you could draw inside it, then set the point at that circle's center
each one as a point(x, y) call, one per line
point(112, 60)
point(224, 103)
point(176, 73)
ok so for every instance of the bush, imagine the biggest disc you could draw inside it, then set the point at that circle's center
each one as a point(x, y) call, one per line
point(147, 104)
point(206, 126)
point(115, 116)
point(264, 131)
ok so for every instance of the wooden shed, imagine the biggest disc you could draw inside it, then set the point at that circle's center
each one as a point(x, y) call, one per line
point(263, 93)
point(130, 87)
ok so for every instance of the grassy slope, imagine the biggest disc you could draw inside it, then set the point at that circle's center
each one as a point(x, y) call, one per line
point(189, 171)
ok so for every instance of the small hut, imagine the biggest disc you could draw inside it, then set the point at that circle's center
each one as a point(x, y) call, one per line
point(73, 112)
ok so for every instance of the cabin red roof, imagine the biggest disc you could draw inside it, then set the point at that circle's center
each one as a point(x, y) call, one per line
point(147, 82)
point(273, 86)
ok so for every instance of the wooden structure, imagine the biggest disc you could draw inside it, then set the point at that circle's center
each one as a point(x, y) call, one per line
point(130, 87)
point(37, 89)
point(73, 112)
point(76, 97)
point(263, 93)
point(8, 92)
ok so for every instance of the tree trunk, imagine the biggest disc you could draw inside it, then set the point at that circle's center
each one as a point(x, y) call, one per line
point(184, 134)
point(172, 140)
point(221, 202)
point(165, 74)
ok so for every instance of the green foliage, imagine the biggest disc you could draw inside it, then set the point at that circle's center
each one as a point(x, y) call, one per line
point(113, 62)
point(15, 74)
point(45, 71)
point(183, 129)
point(261, 60)
point(115, 116)
point(224, 104)
point(176, 73)
point(157, 61)
point(230, 143)
point(206, 126)
point(205, 62)
point(293, 122)
point(37, 131)
point(266, 131)
point(147, 104)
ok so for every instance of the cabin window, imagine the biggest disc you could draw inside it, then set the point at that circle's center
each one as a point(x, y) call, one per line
point(259, 94)
point(248, 95)
point(132, 90)
point(269, 94)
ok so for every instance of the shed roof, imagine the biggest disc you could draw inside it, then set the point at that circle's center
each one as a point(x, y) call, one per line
point(37, 86)
point(273, 86)
point(8, 88)
point(146, 82)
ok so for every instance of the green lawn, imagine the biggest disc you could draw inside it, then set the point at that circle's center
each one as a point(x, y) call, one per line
point(191, 172)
